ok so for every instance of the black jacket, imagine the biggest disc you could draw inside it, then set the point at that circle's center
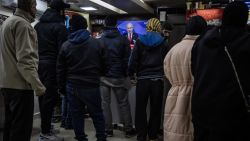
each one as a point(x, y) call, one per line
point(51, 33)
point(118, 50)
point(148, 56)
point(134, 37)
point(81, 61)
point(217, 101)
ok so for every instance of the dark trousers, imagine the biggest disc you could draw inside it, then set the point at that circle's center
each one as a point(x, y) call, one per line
point(46, 104)
point(153, 90)
point(78, 98)
point(19, 108)
point(236, 133)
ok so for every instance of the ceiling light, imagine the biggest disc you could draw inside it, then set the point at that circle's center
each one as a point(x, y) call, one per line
point(88, 8)
point(109, 6)
point(142, 1)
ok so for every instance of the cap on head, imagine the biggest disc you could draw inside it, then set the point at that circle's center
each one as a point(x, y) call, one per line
point(196, 25)
point(58, 4)
point(154, 24)
point(235, 14)
point(78, 22)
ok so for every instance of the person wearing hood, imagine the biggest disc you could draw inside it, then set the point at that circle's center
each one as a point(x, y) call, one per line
point(219, 105)
point(18, 72)
point(147, 62)
point(177, 117)
point(51, 32)
point(115, 79)
point(81, 63)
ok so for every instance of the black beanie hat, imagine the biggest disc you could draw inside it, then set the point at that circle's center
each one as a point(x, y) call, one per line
point(78, 22)
point(24, 5)
point(196, 25)
point(235, 14)
point(58, 4)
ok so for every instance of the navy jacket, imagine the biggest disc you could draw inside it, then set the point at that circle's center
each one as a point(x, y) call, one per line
point(148, 56)
point(217, 101)
point(118, 50)
point(81, 61)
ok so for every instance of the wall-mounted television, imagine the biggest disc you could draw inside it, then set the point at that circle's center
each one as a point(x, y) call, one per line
point(139, 26)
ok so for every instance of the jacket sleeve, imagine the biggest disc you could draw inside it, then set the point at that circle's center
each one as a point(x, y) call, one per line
point(126, 56)
point(133, 61)
point(62, 35)
point(27, 57)
point(61, 69)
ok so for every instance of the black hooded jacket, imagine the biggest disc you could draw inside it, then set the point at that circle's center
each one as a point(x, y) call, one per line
point(148, 56)
point(81, 61)
point(52, 34)
point(217, 101)
point(118, 50)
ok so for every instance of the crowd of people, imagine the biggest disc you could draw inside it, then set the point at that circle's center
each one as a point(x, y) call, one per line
point(208, 72)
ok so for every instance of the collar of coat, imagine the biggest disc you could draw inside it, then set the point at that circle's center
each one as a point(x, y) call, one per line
point(190, 37)
point(27, 16)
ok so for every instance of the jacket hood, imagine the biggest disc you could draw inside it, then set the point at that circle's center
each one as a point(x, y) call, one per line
point(111, 32)
point(217, 37)
point(79, 36)
point(151, 39)
point(51, 15)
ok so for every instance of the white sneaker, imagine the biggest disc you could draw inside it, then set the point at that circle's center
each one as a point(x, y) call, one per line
point(49, 137)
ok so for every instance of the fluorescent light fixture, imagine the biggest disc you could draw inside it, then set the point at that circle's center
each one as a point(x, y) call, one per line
point(144, 5)
point(88, 8)
point(142, 1)
point(109, 6)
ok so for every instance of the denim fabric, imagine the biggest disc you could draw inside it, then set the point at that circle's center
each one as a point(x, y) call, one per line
point(66, 114)
point(78, 97)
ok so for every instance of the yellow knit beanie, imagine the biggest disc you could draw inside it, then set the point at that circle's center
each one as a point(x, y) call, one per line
point(154, 24)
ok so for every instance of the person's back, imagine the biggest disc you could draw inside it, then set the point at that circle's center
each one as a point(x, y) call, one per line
point(115, 78)
point(148, 56)
point(83, 58)
point(218, 107)
point(147, 62)
point(51, 33)
point(81, 63)
point(177, 117)
point(118, 53)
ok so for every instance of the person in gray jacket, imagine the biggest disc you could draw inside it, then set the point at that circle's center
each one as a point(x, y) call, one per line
point(19, 78)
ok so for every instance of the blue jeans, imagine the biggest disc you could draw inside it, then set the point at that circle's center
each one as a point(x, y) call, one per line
point(92, 99)
point(66, 114)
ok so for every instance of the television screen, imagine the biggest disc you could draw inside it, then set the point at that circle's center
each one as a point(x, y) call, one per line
point(139, 26)
point(212, 16)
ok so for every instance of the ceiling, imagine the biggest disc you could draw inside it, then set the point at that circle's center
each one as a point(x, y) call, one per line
point(132, 7)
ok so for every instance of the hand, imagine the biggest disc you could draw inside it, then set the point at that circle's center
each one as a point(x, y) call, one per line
point(40, 93)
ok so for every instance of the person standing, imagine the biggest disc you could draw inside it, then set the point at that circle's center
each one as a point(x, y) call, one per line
point(131, 35)
point(147, 62)
point(115, 78)
point(52, 33)
point(218, 109)
point(19, 77)
point(81, 62)
point(177, 117)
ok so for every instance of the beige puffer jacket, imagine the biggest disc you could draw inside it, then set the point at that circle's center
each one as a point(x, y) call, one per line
point(177, 116)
